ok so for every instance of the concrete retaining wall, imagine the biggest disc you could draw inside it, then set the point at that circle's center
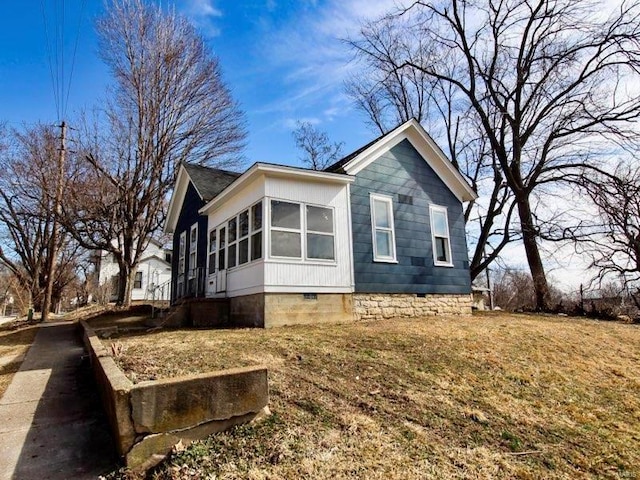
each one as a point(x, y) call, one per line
point(367, 306)
point(148, 418)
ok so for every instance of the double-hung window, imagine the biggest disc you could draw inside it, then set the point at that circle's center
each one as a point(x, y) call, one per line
point(243, 237)
point(286, 229)
point(256, 231)
point(181, 254)
point(233, 245)
point(440, 236)
point(213, 246)
point(137, 282)
point(193, 250)
point(384, 242)
point(320, 242)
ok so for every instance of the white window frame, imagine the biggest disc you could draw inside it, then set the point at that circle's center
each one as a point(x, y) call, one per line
point(257, 231)
point(193, 250)
point(302, 231)
point(232, 244)
point(135, 280)
point(212, 250)
point(436, 262)
point(376, 197)
point(252, 232)
point(314, 232)
point(299, 231)
point(246, 237)
point(182, 248)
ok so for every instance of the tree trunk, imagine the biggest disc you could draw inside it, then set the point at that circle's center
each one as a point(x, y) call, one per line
point(532, 251)
point(124, 286)
point(126, 277)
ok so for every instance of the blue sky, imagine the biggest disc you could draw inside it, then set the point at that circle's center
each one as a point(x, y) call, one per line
point(283, 60)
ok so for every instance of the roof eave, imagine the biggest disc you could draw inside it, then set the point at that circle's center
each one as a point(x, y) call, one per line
point(458, 185)
point(274, 170)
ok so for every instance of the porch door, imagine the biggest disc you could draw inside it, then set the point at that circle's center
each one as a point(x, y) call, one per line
point(221, 273)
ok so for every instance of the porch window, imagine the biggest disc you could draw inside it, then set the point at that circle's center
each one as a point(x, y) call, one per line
point(384, 242)
point(232, 239)
point(256, 231)
point(286, 230)
point(193, 250)
point(137, 282)
point(213, 246)
point(440, 236)
point(243, 237)
point(320, 239)
point(222, 243)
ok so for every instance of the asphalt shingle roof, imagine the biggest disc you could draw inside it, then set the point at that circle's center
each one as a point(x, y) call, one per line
point(210, 182)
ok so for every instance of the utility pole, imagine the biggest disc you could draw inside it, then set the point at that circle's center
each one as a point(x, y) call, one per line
point(53, 239)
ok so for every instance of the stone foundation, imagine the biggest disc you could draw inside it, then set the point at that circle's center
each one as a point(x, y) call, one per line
point(378, 306)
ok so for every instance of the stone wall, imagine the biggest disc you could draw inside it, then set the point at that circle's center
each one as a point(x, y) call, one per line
point(367, 306)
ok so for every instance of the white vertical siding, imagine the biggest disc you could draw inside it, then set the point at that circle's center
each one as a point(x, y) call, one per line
point(239, 202)
point(296, 275)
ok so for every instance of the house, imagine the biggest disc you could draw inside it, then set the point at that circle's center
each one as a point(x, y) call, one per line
point(379, 234)
point(152, 279)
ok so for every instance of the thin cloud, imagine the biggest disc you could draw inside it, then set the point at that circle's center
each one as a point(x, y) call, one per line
point(309, 53)
point(203, 14)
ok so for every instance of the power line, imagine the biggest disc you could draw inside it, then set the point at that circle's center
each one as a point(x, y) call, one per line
point(55, 49)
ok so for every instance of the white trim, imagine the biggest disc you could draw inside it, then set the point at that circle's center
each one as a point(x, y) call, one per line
point(299, 231)
point(352, 272)
point(307, 258)
point(177, 200)
point(303, 231)
point(436, 262)
point(214, 253)
point(426, 147)
point(305, 289)
point(373, 197)
point(194, 251)
point(274, 171)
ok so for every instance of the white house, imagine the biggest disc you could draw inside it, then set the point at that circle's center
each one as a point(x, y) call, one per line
point(153, 277)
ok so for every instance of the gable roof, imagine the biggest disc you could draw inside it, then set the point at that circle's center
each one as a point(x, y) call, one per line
point(412, 131)
point(208, 182)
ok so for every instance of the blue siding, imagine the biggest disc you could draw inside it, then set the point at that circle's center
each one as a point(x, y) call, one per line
point(402, 171)
point(188, 216)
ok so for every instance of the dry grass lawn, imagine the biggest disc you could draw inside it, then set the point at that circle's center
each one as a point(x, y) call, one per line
point(15, 340)
point(492, 396)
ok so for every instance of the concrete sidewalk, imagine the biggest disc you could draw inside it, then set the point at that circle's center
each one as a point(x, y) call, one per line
point(51, 420)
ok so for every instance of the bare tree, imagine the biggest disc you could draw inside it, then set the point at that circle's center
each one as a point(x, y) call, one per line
point(27, 217)
point(389, 96)
point(318, 152)
point(168, 104)
point(613, 242)
point(545, 80)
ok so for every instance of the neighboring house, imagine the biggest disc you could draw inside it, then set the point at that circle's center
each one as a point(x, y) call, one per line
point(377, 235)
point(152, 279)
